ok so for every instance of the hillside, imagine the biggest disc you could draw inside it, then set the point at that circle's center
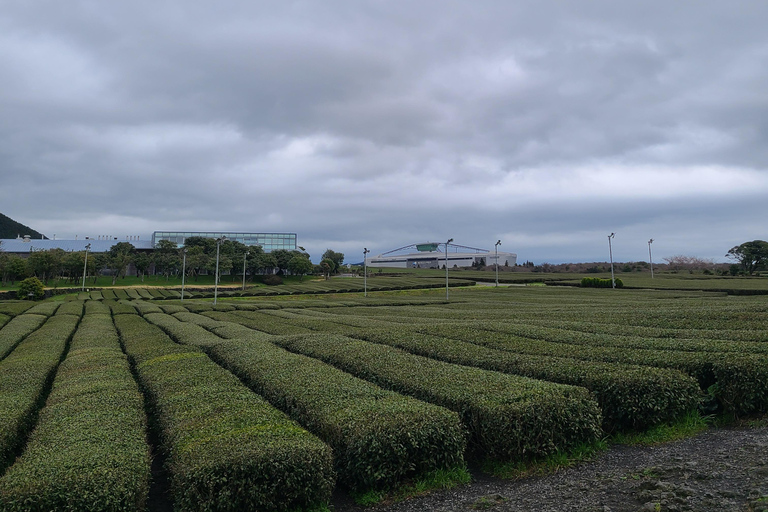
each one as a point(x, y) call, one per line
point(9, 228)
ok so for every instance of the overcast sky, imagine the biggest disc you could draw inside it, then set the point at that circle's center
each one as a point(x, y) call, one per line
point(378, 124)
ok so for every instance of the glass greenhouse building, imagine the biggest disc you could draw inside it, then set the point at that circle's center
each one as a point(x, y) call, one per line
point(268, 241)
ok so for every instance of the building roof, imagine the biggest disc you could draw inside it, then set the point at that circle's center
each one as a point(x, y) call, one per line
point(19, 246)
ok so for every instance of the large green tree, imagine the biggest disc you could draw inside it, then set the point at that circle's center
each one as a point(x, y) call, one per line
point(336, 257)
point(299, 266)
point(119, 257)
point(752, 256)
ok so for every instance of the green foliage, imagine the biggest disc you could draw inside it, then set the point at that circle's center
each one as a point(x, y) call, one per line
point(31, 288)
point(596, 282)
point(752, 256)
point(88, 450)
point(632, 397)
point(16, 330)
point(226, 448)
point(25, 373)
point(379, 437)
point(508, 416)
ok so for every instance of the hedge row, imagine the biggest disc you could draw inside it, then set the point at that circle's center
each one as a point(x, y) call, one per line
point(25, 375)
point(89, 449)
point(597, 282)
point(4, 319)
point(738, 382)
point(44, 308)
point(74, 307)
point(225, 447)
point(380, 438)
point(600, 339)
point(633, 397)
point(16, 330)
point(509, 417)
point(15, 308)
point(260, 321)
point(122, 307)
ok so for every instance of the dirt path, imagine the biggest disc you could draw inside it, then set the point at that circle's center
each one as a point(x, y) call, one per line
point(718, 470)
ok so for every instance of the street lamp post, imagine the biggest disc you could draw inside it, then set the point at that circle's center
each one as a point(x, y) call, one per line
point(244, 257)
point(497, 262)
point(183, 271)
point(610, 252)
point(365, 271)
point(85, 265)
point(650, 255)
point(446, 267)
point(216, 277)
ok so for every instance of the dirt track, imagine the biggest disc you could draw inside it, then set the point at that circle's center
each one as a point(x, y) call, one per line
point(718, 470)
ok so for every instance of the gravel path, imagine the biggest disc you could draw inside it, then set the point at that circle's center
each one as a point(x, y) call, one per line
point(718, 470)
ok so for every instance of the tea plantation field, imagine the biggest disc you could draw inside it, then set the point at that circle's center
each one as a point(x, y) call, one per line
point(263, 403)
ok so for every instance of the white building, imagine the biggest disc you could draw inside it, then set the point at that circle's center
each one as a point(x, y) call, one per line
point(433, 255)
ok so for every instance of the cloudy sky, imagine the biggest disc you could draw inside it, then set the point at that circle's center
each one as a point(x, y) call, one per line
point(377, 124)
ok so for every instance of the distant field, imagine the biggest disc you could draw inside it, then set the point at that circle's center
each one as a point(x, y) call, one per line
point(323, 387)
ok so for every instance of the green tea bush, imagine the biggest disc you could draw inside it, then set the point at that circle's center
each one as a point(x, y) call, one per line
point(25, 375)
point(509, 417)
point(596, 282)
point(88, 450)
point(14, 308)
point(74, 307)
point(145, 307)
point(379, 438)
point(122, 307)
point(16, 330)
point(225, 447)
point(44, 308)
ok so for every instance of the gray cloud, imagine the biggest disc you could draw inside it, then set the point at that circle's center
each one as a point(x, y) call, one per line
point(384, 123)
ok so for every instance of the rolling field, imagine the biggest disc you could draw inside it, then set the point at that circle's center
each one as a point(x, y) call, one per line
point(271, 403)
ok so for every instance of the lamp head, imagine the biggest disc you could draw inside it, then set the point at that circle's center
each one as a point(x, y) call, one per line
point(449, 240)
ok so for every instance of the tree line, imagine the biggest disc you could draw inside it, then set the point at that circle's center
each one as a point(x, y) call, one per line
point(197, 257)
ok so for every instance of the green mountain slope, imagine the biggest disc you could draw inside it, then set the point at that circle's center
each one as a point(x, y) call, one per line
point(9, 228)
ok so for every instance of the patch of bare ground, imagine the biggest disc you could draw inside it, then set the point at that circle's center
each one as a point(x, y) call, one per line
point(722, 469)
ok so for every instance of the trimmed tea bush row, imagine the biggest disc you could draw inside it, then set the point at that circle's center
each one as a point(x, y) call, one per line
point(633, 397)
point(379, 438)
point(596, 282)
point(260, 321)
point(88, 450)
point(4, 319)
point(742, 380)
point(16, 330)
point(509, 417)
point(44, 308)
point(14, 308)
point(598, 339)
point(25, 374)
point(226, 448)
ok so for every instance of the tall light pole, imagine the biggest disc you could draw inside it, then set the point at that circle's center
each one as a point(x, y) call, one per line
point(365, 271)
point(244, 257)
point(650, 256)
point(216, 277)
point(610, 251)
point(85, 265)
point(183, 271)
point(497, 262)
point(446, 267)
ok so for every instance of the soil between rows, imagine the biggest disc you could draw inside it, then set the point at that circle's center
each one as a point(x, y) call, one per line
point(722, 469)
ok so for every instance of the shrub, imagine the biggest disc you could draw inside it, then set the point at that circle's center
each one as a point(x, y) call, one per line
point(509, 417)
point(272, 280)
point(629, 396)
point(31, 288)
point(596, 282)
point(16, 330)
point(88, 450)
point(25, 374)
point(380, 438)
point(226, 448)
